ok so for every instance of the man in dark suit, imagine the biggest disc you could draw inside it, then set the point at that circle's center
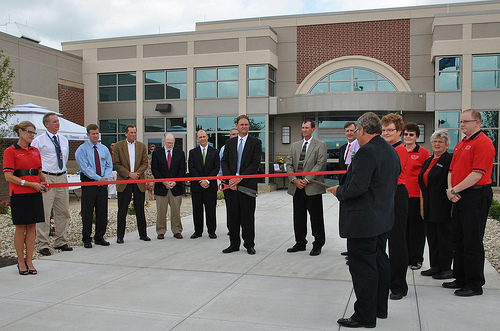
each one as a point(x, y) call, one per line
point(168, 162)
point(366, 216)
point(130, 161)
point(203, 161)
point(242, 156)
point(307, 155)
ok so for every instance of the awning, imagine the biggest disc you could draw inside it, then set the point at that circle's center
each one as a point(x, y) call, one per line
point(35, 113)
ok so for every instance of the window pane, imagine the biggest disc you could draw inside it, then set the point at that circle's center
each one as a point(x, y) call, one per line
point(177, 76)
point(257, 123)
point(272, 89)
point(449, 63)
point(107, 80)
point(454, 137)
point(256, 72)
point(154, 91)
point(340, 86)
point(226, 123)
point(262, 137)
point(449, 81)
point(493, 135)
point(344, 74)
point(485, 80)
point(124, 79)
point(364, 74)
point(228, 89)
point(107, 93)
point(176, 91)
point(107, 126)
point(205, 123)
point(227, 73)
point(154, 77)
point(221, 139)
point(126, 93)
point(448, 119)
point(122, 123)
point(320, 87)
point(205, 90)
point(489, 119)
point(364, 85)
point(272, 74)
point(154, 125)
point(485, 62)
point(205, 74)
point(176, 124)
point(106, 140)
point(385, 85)
point(256, 87)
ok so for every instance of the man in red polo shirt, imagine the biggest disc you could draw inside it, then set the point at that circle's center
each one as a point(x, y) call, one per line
point(469, 188)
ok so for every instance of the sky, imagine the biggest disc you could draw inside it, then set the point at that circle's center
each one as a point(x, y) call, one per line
point(58, 21)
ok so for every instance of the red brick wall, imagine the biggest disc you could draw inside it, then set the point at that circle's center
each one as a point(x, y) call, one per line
point(71, 104)
point(387, 41)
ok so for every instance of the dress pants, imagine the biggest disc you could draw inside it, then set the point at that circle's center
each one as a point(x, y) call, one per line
point(162, 203)
point(369, 268)
point(94, 197)
point(241, 214)
point(440, 246)
point(207, 199)
point(302, 204)
point(398, 251)
point(58, 199)
point(124, 198)
point(415, 232)
point(467, 232)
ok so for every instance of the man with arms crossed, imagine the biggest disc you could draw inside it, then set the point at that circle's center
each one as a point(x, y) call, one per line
point(54, 150)
point(366, 216)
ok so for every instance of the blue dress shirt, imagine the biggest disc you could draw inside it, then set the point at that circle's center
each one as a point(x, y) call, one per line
point(84, 156)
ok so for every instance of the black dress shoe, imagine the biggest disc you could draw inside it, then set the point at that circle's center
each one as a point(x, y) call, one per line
point(315, 252)
point(350, 323)
point(101, 242)
point(430, 272)
point(119, 240)
point(45, 251)
point(465, 292)
point(145, 238)
point(396, 296)
point(447, 274)
point(195, 235)
point(65, 248)
point(295, 248)
point(212, 236)
point(87, 245)
point(343, 253)
point(251, 250)
point(230, 249)
point(453, 284)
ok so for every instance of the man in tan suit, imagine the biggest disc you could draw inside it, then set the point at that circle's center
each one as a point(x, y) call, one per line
point(307, 155)
point(130, 161)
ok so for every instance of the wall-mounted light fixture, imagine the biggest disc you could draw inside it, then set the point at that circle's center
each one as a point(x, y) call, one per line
point(285, 134)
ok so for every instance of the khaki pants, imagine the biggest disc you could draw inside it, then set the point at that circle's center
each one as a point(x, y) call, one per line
point(162, 204)
point(57, 199)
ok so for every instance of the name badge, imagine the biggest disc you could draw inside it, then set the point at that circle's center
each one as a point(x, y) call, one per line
point(103, 159)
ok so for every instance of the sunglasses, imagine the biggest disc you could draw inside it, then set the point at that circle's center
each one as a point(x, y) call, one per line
point(411, 134)
point(30, 132)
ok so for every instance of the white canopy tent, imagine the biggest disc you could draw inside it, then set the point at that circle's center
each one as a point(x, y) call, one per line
point(34, 114)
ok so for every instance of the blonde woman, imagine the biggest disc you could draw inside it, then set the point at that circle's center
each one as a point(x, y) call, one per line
point(22, 167)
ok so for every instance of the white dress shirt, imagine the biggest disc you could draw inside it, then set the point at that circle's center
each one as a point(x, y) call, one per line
point(131, 154)
point(45, 145)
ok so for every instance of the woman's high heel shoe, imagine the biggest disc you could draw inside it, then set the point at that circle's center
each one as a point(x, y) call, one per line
point(23, 273)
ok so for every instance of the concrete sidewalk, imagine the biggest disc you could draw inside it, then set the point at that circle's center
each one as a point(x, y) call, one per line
point(189, 284)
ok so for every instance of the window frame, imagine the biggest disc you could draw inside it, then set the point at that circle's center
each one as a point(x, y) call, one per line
point(215, 82)
point(116, 86)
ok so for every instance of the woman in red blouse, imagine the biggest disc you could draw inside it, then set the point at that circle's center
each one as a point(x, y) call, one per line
point(22, 167)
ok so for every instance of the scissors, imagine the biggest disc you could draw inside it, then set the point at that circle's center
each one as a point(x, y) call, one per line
point(242, 189)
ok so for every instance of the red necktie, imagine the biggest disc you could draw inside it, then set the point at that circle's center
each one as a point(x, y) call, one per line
point(347, 152)
point(97, 161)
point(169, 159)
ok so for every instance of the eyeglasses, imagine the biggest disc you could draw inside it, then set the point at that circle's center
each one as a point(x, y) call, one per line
point(466, 121)
point(438, 142)
point(388, 130)
point(411, 134)
point(356, 131)
point(30, 132)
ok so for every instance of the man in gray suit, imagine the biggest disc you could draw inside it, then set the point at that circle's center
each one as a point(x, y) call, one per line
point(366, 217)
point(307, 155)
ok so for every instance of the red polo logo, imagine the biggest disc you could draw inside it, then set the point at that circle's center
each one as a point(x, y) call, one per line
point(415, 157)
point(468, 147)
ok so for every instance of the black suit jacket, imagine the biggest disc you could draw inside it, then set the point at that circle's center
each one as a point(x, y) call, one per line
point(342, 165)
point(437, 207)
point(367, 197)
point(198, 169)
point(159, 168)
point(250, 160)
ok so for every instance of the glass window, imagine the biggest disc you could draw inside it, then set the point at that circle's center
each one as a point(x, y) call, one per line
point(206, 90)
point(154, 91)
point(227, 89)
point(107, 80)
point(122, 123)
point(176, 91)
point(227, 73)
point(107, 140)
point(205, 74)
point(489, 119)
point(206, 123)
point(170, 84)
point(126, 79)
point(256, 87)
point(107, 126)
point(448, 119)
point(352, 79)
point(257, 123)
point(126, 93)
point(256, 72)
point(176, 124)
point(154, 125)
point(176, 76)
point(448, 69)
point(272, 82)
point(485, 72)
point(107, 93)
point(154, 77)
point(226, 123)
point(216, 82)
point(117, 87)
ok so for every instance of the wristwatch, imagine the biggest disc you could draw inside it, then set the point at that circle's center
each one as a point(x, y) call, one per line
point(453, 191)
point(22, 182)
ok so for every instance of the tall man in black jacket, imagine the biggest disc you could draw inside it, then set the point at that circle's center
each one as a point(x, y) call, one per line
point(242, 156)
point(366, 217)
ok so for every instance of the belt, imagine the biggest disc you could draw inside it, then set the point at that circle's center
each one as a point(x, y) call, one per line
point(54, 174)
point(29, 172)
point(473, 188)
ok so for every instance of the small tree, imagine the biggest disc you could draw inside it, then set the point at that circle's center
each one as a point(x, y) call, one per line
point(6, 101)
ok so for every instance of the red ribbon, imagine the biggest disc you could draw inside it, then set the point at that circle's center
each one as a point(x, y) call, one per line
point(183, 179)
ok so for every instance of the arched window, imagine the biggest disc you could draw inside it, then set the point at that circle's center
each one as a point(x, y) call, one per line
point(352, 80)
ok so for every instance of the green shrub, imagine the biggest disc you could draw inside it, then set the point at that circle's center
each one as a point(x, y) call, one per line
point(495, 210)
